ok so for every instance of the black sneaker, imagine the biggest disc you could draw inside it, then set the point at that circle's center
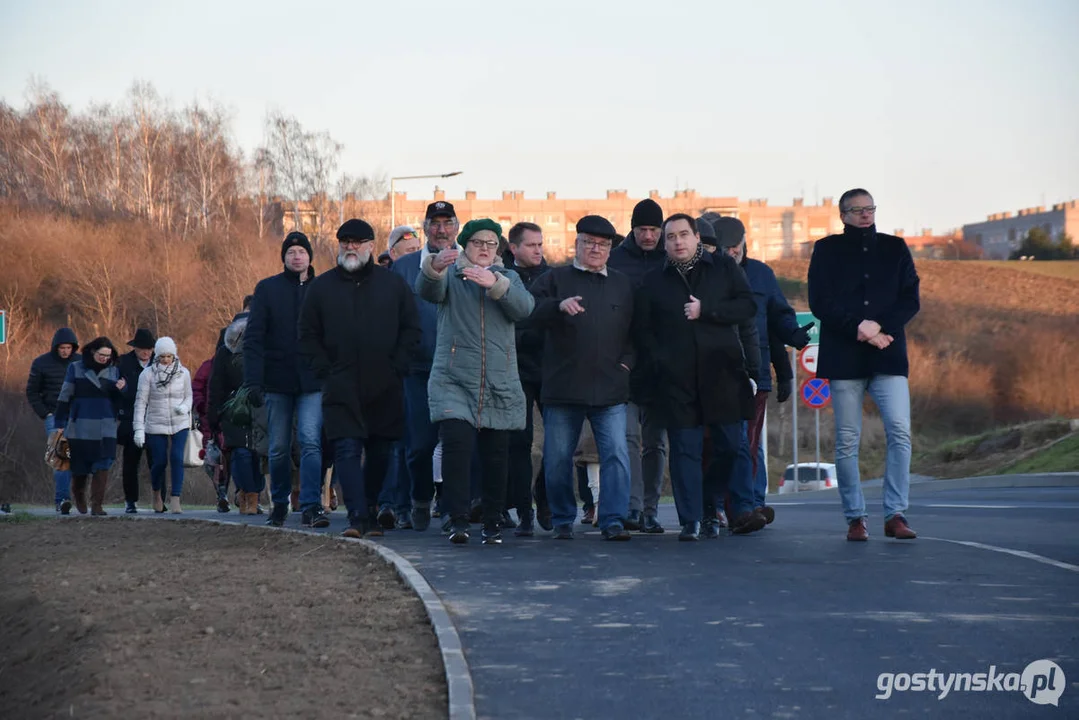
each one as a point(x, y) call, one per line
point(651, 525)
point(710, 529)
point(633, 520)
point(386, 518)
point(421, 517)
point(524, 528)
point(491, 535)
point(459, 534)
point(563, 532)
point(65, 507)
point(691, 532)
point(129, 510)
point(616, 532)
point(404, 521)
point(278, 515)
point(6, 508)
point(507, 521)
point(315, 517)
point(223, 505)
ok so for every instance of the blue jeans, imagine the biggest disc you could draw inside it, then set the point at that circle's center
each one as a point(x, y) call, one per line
point(687, 477)
point(246, 470)
point(891, 393)
point(421, 437)
point(307, 410)
point(395, 488)
point(562, 429)
point(760, 478)
point(360, 467)
point(162, 454)
point(730, 472)
point(61, 478)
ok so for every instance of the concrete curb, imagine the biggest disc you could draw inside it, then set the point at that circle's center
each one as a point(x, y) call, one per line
point(462, 704)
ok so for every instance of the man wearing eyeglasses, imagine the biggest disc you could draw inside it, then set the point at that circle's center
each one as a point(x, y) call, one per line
point(440, 226)
point(864, 288)
point(585, 311)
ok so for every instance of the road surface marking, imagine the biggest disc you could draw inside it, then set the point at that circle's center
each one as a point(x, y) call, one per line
point(1008, 551)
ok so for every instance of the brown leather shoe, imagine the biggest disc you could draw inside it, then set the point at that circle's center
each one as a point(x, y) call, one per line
point(897, 528)
point(857, 530)
point(589, 517)
point(768, 513)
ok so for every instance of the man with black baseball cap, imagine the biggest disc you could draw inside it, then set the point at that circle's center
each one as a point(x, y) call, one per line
point(131, 366)
point(274, 374)
point(585, 311)
point(440, 226)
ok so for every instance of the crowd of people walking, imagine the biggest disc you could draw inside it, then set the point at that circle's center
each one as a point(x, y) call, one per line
point(413, 381)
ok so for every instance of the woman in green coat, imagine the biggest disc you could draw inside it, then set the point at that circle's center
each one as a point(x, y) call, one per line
point(475, 390)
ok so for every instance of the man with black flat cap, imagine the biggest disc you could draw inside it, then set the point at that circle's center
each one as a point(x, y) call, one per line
point(440, 226)
point(585, 311)
point(358, 330)
point(131, 366)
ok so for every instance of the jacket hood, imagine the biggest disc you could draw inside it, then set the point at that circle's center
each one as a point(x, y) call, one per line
point(234, 335)
point(65, 335)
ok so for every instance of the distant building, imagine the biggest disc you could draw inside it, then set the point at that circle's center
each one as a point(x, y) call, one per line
point(1001, 234)
point(948, 246)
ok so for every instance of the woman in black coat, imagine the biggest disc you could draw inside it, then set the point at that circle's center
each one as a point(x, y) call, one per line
point(227, 378)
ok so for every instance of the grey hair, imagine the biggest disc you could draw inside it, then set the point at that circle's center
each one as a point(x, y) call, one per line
point(427, 224)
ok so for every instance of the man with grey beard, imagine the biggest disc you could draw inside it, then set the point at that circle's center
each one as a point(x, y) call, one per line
point(358, 331)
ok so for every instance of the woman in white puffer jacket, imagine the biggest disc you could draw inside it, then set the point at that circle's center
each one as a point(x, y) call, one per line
point(163, 405)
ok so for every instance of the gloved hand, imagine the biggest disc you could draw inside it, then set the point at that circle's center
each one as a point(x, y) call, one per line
point(801, 337)
point(753, 385)
point(255, 397)
point(140, 438)
point(784, 388)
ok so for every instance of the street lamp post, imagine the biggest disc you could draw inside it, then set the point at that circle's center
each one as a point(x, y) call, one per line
point(393, 191)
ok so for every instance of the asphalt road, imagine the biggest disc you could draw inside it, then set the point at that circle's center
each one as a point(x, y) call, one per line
point(791, 622)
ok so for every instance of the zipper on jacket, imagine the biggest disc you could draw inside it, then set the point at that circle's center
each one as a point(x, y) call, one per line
point(483, 361)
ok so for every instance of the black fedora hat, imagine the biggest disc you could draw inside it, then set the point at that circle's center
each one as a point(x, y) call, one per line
point(143, 340)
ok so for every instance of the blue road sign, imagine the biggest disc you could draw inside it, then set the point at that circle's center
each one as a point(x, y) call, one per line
point(816, 393)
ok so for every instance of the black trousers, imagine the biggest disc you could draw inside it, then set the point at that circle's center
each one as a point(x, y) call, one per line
point(459, 440)
point(132, 454)
point(521, 475)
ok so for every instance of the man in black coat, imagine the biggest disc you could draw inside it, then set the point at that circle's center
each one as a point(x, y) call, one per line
point(273, 371)
point(525, 252)
point(43, 388)
point(864, 288)
point(586, 312)
point(358, 330)
point(688, 337)
point(642, 252)
point(131, 366)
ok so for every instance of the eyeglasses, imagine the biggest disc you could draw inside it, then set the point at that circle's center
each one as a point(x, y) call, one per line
point(598, 244)
point(442, 224)
point(485, 243)
point(352, 242)
point(103, 355)
point(868, 210)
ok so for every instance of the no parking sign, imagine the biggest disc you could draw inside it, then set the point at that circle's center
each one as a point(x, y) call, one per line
point(816, 393)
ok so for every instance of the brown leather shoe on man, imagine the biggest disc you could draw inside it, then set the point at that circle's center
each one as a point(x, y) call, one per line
point(857, 530)
point(897, 528)
point(767, 513)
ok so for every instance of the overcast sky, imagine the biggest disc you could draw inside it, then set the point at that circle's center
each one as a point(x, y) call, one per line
point(945, 110)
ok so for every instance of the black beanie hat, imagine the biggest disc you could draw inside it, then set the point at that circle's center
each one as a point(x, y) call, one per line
point(355, 229)
point(647, 213)
point(296, 238)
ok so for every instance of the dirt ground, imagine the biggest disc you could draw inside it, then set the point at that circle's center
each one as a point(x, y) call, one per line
point(109, 618)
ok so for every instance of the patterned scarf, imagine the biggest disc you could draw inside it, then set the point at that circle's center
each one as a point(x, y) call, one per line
point(164, 375)
point(685, 267)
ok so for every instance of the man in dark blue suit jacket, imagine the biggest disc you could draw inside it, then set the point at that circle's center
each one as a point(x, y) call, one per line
point(864, 289)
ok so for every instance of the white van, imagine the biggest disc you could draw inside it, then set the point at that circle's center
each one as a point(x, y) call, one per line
point(808, 477)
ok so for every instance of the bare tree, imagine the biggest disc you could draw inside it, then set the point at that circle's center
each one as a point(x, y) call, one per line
point(304, 163)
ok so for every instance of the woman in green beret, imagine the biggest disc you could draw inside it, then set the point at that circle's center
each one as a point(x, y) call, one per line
point(475, 391)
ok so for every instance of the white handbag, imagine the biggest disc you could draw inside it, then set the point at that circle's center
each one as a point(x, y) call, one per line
point(193, 449)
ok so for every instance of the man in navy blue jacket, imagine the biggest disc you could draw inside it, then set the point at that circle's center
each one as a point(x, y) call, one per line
point(775, 318)
point(440, 226)
point(276, 375)
point(864, 288)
